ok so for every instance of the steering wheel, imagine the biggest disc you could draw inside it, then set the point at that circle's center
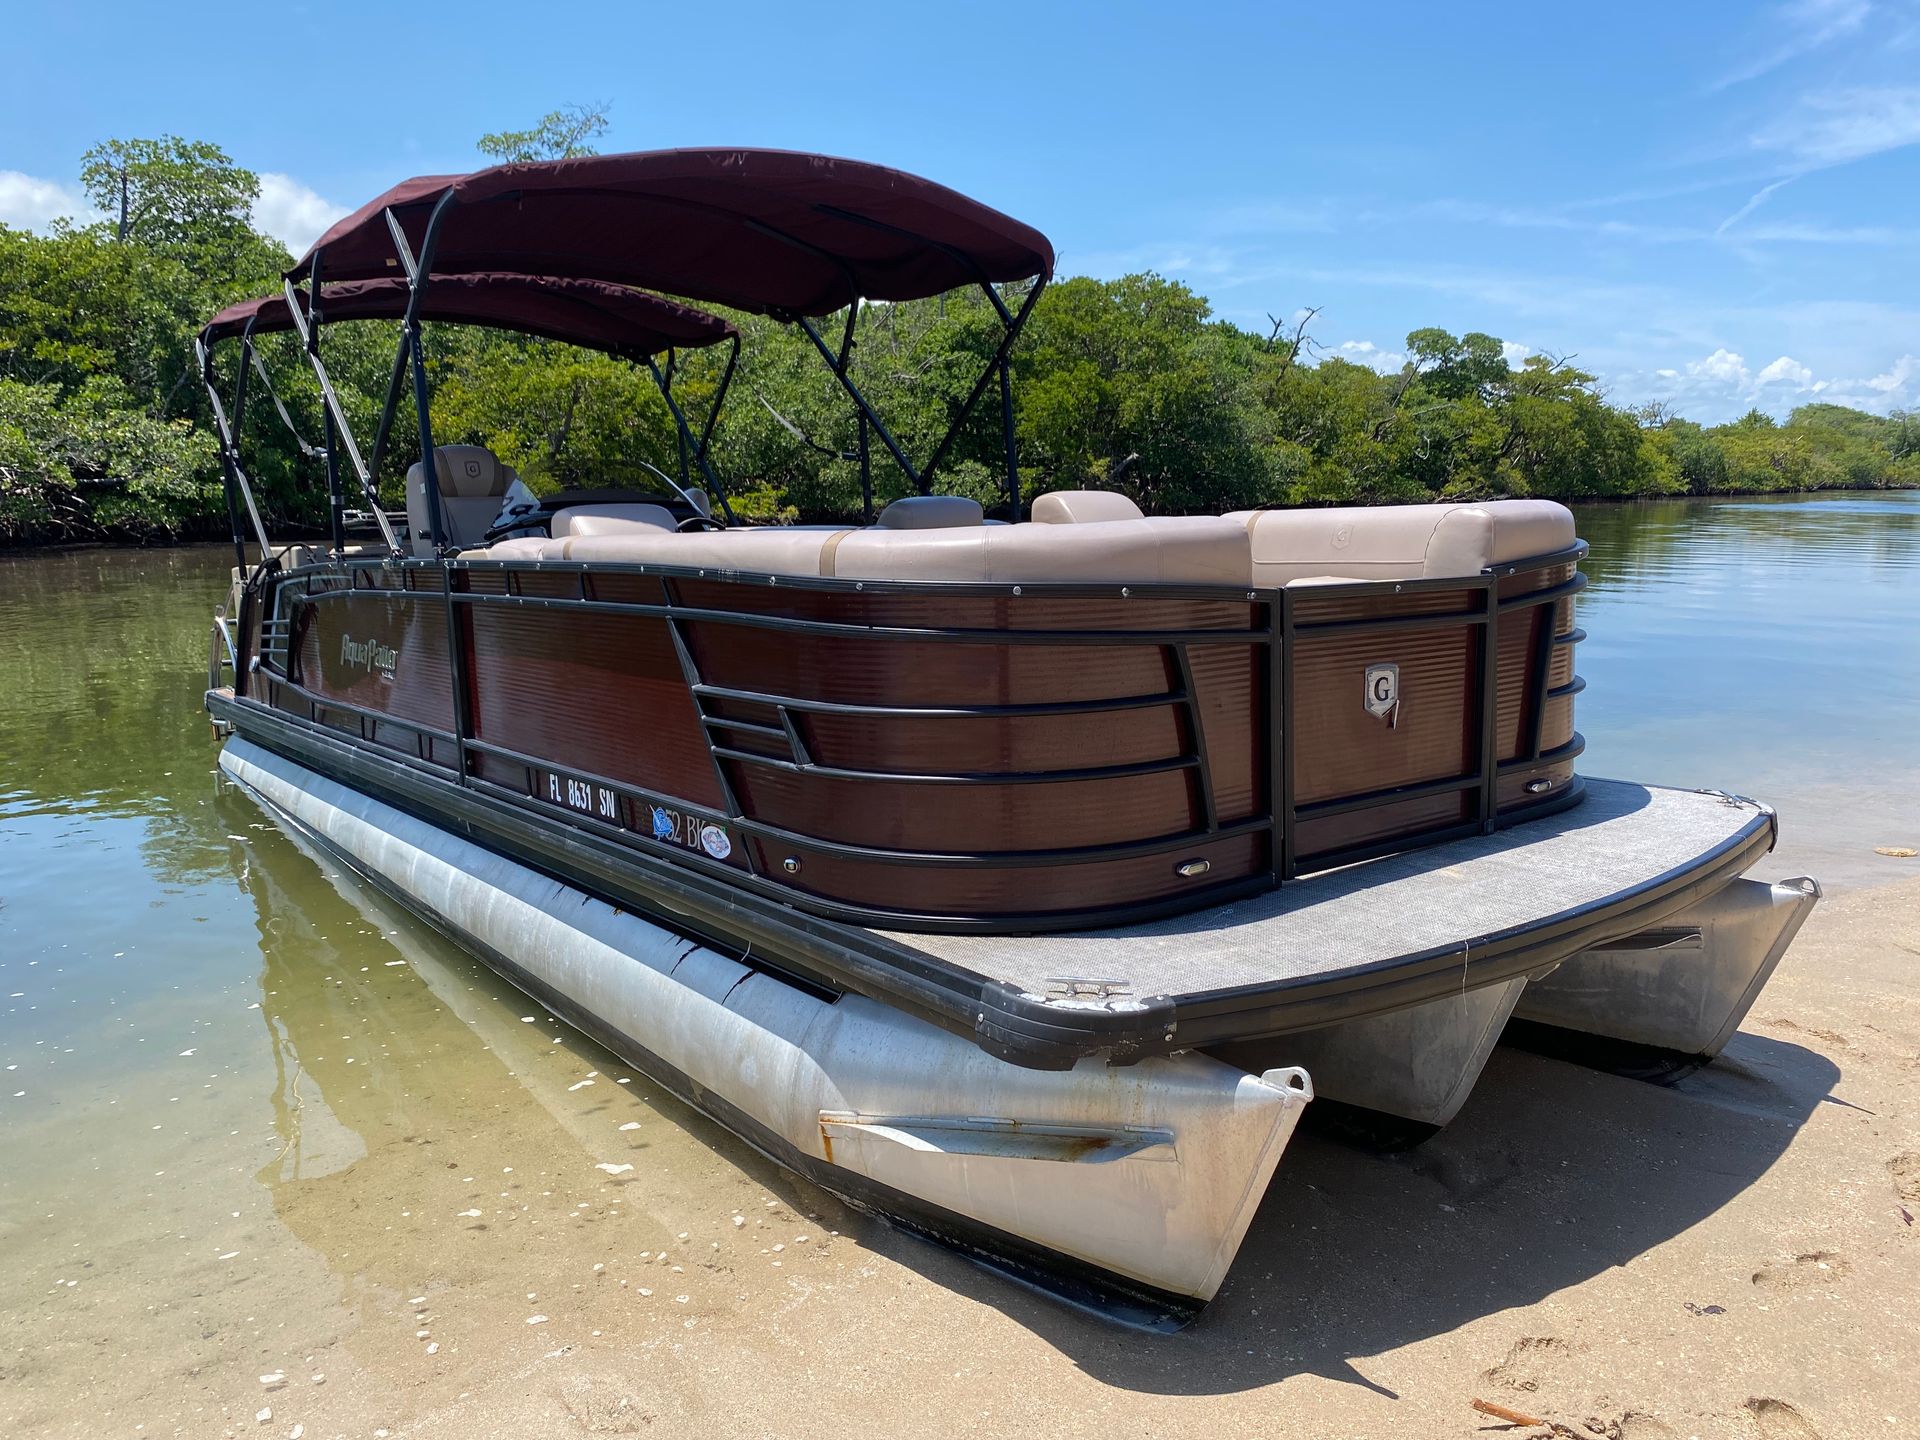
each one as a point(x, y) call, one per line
point(681, 490)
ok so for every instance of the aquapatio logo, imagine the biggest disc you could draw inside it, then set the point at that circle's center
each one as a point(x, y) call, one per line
point(369, 655)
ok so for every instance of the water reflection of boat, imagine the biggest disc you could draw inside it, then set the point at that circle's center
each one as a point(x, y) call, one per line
point(385, 1041)
point(933, 855)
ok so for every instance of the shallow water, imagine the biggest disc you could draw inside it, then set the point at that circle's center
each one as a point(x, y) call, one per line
point(250, 1112)
point(1769, 646)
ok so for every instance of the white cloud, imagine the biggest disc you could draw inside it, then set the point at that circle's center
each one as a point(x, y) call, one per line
point(1786, 371)
point(294, 214)
point(1365, 352)
point(1723, 365)
point(1514, 353)
point(1900, 378)
point(1843, 125)
point(1722, 386)
point(28, 202)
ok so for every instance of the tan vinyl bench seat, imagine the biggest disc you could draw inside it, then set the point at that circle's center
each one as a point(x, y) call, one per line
point(1265, 548)
point(1401, 542)
point(1194, 550)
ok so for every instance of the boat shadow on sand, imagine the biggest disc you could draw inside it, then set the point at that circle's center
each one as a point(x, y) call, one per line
point(1552, 1174)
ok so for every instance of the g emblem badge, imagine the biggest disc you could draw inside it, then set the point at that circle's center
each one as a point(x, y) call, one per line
point(1383, 692)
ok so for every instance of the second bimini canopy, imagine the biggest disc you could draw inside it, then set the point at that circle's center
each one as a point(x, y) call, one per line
point(589, 313)
point(766, 231)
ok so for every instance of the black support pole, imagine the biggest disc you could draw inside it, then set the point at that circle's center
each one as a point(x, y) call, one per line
point(336, 500)
point(866, 468)
point(1006, 430)
point(665, 383)
point(1005, 347)
point(866, 410)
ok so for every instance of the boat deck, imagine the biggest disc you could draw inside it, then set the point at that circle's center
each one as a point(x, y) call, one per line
point(1369, 937)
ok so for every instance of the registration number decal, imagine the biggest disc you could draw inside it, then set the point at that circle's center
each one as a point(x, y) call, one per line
point(584, 798)
point(664, 823)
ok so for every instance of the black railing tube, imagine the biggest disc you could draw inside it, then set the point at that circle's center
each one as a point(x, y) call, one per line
point(1489, 806)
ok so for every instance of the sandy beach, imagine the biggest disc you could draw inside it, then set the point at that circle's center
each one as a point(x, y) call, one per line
point(441, 1237)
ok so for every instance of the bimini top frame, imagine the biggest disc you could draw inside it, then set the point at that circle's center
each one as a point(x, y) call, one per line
point(612, 318)
point(772, 232)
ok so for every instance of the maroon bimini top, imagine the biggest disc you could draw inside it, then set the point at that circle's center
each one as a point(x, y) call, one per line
point(580, 312)
point(767, 231)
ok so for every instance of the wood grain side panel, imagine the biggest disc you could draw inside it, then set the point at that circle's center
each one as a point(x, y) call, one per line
point(594, 691)
point(1231, 697)
point(883, 670)
point(1340, 750)
point(1014, 890)
point(1332, 833)
point(973, 818)
point(1519, 635)
point(381, 650)
point(985, 744)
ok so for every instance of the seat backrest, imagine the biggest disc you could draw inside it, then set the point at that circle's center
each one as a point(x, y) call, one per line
point(1073, 507)
point(610, 519)
point(472, 482)
point(931, 512)
point(1194, 550)
point(1401, 542)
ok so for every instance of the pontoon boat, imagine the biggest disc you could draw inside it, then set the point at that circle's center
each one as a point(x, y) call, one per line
point(1008, 877)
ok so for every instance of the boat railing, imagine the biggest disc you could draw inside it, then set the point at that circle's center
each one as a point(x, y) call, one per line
point(753, 727)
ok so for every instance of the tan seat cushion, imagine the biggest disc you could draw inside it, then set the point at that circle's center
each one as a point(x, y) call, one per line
point(772, 550)
point(931, 512)
point(1074, 507)
point(1401, 542)
point(1197, 550)
point(1200, 550)
point(611, 518)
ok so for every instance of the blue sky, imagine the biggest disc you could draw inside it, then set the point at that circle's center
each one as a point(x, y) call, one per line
point(1712, 204)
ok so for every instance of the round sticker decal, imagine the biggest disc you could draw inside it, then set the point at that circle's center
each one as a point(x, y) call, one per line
point(714, 841)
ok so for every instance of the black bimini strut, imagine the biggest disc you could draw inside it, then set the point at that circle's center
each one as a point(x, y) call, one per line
point(410, 358)
point(233, 476)
point(306, 324)
point(691, 446)
point(921, 477)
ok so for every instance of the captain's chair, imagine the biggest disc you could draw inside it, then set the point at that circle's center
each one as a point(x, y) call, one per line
point(472, 484)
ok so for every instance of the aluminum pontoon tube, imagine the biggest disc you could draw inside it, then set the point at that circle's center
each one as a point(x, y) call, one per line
point(1684, 986)
point(1144, 1177)
point(1419, 1064)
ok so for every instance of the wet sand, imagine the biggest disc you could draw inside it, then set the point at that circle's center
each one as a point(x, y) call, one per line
point(374, 1170)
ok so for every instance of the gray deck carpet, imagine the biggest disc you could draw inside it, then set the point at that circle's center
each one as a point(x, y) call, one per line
point(1617, 840)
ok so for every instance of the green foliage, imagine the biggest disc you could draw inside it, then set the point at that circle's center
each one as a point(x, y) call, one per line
point(88, 462)
point(559, 135)
point(1131, 384)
